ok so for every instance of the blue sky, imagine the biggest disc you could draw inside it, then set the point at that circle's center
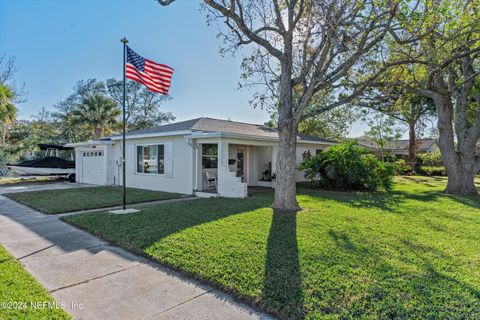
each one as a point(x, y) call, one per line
point(57, 43)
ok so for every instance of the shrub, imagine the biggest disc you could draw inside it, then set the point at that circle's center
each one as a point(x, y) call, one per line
point(431, 164)
point(348, 166)
point(430, 159)
point(390, 157)
point(401, 167)
point(432, 170)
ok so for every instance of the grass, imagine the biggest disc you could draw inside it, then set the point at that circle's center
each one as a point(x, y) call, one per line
point(18, 289)
point(412, 253)
point(75, 199)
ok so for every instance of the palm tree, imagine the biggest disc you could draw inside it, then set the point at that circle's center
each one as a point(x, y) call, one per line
point(8, 112)
point(98, 113)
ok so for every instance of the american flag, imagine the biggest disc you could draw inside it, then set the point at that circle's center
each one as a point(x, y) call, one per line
point(154, 76)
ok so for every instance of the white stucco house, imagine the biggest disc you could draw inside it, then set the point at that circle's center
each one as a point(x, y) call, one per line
point(202, 156)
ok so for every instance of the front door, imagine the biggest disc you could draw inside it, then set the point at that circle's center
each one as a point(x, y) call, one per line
point(240, 170)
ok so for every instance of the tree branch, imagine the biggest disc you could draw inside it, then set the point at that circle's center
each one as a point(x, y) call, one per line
point(240, 23)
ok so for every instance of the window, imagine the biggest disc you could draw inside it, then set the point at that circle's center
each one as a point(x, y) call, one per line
point(150, 159)
point(209, 156)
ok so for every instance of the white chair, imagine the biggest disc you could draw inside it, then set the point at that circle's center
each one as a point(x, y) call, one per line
point(211, 180)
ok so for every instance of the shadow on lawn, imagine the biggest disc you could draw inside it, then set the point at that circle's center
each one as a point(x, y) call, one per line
point(144, 229)
point(282, 289)
point(388, 201)
point(470, 201)
point(409, 284)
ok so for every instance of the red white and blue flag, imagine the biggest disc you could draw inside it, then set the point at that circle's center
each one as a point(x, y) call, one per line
point(155, 76)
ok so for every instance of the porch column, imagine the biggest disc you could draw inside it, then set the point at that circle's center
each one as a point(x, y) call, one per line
point(222, 166)
point(274, 163)
point(198, 179)
point(274, 158)
point(223, 155)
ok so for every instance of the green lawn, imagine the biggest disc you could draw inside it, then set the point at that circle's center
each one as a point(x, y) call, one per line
point(18, 288)
point(67, 200)
point(413, 253)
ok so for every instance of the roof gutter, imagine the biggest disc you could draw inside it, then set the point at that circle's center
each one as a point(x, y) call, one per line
point(195, 167)
point(88, 143)
point(153, 135)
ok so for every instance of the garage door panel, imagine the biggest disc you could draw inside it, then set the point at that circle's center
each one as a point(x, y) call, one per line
point(93, 167)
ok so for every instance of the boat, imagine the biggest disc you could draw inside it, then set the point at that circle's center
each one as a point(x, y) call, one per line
point(50, 164)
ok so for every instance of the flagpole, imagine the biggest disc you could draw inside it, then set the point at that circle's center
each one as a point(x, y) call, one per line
point(124, 41)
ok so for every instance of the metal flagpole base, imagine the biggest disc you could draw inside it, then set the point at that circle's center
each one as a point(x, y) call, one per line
point(124, 211)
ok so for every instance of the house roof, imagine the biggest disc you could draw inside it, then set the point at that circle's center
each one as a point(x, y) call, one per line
point(211, 125)
point(399, 145)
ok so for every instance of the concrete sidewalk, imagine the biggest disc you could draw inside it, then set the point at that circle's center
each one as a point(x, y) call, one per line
point(99, 281)
point(38, 186)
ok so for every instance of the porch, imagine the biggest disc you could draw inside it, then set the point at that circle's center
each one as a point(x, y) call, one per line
point(229, 168)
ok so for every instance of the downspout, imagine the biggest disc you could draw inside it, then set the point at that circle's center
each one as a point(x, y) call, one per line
point(194, 147)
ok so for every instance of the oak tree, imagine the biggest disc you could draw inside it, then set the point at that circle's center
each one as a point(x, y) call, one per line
point(301, 49)
point(439, 43)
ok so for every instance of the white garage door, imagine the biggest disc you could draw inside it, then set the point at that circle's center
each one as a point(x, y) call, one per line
point(93, 167)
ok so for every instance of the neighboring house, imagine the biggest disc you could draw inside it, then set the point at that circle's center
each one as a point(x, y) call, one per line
point(399, 147)
point(191, 157)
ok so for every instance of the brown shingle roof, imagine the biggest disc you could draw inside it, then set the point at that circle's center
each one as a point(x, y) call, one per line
point(399, 145)
point(222, 126)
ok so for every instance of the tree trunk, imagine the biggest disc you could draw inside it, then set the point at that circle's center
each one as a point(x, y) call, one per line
point(461, 164)
point(98, 132)
point(412, 145)
point(461, 177)
point(285, 185)
point(4, 132)
point(285, 198)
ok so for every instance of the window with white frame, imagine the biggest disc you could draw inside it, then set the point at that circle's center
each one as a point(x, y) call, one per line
point(150, 159)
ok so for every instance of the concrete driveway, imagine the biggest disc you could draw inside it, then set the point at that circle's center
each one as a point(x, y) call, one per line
point(34, 186)
point(96, 280)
